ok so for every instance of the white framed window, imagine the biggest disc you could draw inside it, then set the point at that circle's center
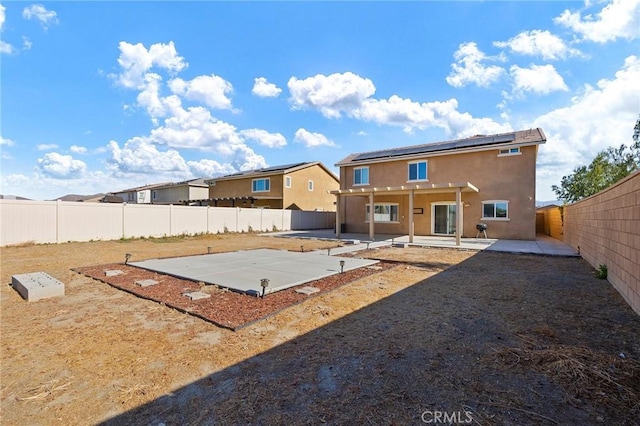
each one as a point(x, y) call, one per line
point(287, 181)
point(261, 185)
point(382, 212)
point(361, 176)
point(417, 171)
point(310, 185)
point(495, 210)
point(509, 151)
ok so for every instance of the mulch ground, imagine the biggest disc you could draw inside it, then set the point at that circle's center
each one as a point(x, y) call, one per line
point(224, 308)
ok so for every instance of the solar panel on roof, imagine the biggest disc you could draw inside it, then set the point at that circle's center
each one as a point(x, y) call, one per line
point(435, 147)
point(276, 168)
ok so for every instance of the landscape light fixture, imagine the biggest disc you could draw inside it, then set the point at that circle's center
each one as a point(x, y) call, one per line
point(341, 266)
point(368, 242)
point(127, 256)
point(302, 249)
point(264, 283)
point(209, 250)
point(329, 251)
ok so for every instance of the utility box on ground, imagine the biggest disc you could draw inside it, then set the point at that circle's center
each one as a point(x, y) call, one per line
point(36, 286)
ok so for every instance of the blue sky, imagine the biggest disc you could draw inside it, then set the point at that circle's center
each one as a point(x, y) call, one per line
point(103, 96)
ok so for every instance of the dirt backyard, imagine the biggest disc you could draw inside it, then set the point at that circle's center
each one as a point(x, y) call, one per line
point(475, 338)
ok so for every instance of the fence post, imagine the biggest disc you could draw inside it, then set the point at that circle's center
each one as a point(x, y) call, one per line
point(58, 221)
point(124, 205)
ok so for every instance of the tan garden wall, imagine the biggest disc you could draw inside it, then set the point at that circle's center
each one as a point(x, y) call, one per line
point(605, 228)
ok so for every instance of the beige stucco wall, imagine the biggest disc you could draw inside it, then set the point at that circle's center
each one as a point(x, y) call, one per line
point(549, 221)
point(606, 229)
point(510, 178)
point(298, 197)
point(174, 194)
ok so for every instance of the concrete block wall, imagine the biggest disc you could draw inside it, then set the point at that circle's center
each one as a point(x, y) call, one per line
point(606, 229)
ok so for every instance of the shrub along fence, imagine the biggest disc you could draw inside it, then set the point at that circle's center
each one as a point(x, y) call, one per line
point(605, 229)
point(59, 221)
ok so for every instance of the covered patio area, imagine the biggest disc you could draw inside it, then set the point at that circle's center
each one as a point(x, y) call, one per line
point(405, 190)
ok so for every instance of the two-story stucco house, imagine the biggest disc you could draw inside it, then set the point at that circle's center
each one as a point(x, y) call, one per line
point(300, 186)
point(444, 188)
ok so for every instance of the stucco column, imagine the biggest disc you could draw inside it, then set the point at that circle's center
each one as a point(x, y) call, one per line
point(411, 224)
point(338, 224)
point(371, 217)
point(458, 216)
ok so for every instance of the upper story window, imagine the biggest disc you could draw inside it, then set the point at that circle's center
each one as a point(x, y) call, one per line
point(418, 171)
point(287, 181)
point(495, 209)
point(361, 176)
point(509, 151)
point(261, 185)
point(310, 185)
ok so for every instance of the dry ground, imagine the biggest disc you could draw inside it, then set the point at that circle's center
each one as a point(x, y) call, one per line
point(499, 338)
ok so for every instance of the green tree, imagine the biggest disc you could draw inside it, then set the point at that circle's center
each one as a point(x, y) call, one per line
point(607, 168)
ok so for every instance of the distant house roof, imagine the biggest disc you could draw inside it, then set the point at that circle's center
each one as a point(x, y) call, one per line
point(76, 197)
point(142, 188)
point(521, 137)
point(13, 197)
point(191, 182)
point(110, 198)
point(275, 170)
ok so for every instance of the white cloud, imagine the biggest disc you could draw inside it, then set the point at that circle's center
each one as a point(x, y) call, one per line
point(26, 43)
point(135, 60)
point(539, 43)
point(331, 95)
point(469, 69)
point(599, 117)
point(41, 14)
point(211, 90)
point(6, 48)
point(264, 89)
point(6, 142)
point(312, 140)
point(46, 146)
point(61, 166)
point(2, 16)
point(540, 79)
point(78, 149)
point(209, 168)
point(350, 94)
point(139, 156)
point(264, 138)
point(618, 19)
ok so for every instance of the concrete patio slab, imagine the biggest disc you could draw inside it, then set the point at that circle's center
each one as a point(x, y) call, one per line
point(543, 244)
point(242, 270)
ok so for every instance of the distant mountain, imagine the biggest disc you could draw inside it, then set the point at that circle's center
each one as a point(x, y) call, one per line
point(12, 197)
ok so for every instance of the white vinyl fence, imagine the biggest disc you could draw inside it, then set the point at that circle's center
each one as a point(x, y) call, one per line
point(43, 222)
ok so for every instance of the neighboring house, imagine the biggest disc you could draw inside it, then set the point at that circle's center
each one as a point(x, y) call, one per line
point(81, 198)
point(300, 186)
point(187, 192)
point(419, 190)
point(138, 195)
